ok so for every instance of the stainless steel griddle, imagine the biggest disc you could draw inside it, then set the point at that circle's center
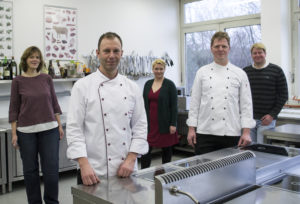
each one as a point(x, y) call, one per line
point(224, 176)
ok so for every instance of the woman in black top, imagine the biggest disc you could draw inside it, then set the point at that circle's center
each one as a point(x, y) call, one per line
point(160, 97)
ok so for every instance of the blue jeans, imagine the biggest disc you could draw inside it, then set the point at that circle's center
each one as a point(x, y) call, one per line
point(256, 132)
point(46, 144)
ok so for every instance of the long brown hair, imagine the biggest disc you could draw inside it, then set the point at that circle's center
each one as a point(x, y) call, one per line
point(26, 54)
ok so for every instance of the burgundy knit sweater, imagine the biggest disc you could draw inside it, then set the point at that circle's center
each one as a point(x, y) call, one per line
point(33, 100)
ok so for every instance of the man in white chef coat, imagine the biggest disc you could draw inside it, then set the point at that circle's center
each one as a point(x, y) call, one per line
point(220, 112)
point(106, 122)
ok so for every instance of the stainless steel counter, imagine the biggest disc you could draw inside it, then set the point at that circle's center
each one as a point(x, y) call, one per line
point(267, 195)
point(289, 133)
point(115, 190)
point(139, 188)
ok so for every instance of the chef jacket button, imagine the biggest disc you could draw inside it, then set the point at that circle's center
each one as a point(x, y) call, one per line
point(223, 118)
point(125, 113)
point(125, 97)
point(227, 69)
point(101, 84)
point(212, 69)
point(122, 158)
point(123, 143)
point(104, 114)
point(102, 99)
point(225, 98)
point(210, 77)
point(211, 97)
point(106, 129)
point(224, 108)
point(124, 128)
point(108, 144)
point(212, 108)
point(212, 119)
point(226, 87)
point(109, 159)
point(210, 87)
point(227, 77)
point(120, 84)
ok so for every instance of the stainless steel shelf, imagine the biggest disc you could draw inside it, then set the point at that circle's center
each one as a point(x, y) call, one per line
point(5, 81)
point(54, 80)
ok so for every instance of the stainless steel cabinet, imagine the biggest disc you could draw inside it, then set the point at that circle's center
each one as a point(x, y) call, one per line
point(65, 164)
point(3, 173)
point(15, 167)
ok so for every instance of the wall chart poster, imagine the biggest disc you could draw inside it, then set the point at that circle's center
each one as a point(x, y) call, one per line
point(60, 32)
point(6, 29)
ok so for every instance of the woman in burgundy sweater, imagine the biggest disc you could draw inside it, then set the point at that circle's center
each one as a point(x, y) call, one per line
point(36, 128)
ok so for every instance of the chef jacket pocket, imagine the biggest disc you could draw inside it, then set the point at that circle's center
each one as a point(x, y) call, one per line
point(234, 88)
point(130, 108)
point(206, 85)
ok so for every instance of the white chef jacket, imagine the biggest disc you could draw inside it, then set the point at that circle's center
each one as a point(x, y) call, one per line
point(221, 102)
point(106, 120)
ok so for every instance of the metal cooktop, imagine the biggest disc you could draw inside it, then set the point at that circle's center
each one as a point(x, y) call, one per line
point(287, 182)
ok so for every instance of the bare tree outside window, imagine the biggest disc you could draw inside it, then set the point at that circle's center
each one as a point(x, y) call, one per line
point(205, 10)
point(197, 54)
point(242, 38)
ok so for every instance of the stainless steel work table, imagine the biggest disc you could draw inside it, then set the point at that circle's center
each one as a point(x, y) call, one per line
point(3, 173)
point(289, 133)
point(140, 187)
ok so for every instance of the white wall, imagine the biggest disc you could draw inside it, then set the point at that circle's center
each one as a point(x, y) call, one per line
point(276, 33)
point(144, 26)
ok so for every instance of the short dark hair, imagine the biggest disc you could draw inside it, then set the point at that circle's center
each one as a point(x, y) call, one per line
point(109, 35)
point(26, 54)
point(220, 35)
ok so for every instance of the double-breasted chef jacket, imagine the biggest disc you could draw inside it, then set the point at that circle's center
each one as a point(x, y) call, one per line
point(106, 120)
point(221, 102)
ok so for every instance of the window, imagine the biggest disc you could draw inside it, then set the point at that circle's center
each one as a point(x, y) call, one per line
point(241, 40)
point(217, 9)
point(201, 19)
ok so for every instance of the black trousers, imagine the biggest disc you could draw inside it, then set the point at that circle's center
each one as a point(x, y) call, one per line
point(166, 157)
point(208, 143)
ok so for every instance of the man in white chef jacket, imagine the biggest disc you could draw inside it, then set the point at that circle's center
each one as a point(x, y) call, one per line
point(106, 122)
point(220, 112)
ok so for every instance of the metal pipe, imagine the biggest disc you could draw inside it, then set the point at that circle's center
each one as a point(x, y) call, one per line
point(175, 190)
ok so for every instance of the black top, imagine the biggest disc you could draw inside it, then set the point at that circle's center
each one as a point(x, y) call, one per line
point(167, 104)
point(269, 90)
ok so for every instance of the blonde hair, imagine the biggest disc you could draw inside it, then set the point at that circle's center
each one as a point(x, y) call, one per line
point(258, 46)
point(158, 61)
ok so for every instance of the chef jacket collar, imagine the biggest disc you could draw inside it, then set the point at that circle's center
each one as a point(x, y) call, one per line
point(105, 78)
point(220, 66)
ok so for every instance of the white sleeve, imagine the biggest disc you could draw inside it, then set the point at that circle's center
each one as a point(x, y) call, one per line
point(138, 124)
point(75, 119)
point(195, 101)
point(246, 107)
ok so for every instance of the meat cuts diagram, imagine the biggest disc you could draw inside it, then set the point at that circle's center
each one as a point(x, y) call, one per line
point(60, 31)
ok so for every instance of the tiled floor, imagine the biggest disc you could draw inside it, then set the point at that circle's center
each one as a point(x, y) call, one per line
point(67, 179)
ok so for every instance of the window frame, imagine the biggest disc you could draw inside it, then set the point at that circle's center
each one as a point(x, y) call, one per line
point(218, 25)
point(295, 70)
